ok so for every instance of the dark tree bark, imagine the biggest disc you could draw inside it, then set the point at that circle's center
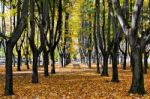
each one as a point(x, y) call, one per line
point(105, 66)
point(145, 62)
point(114, 55)
point(35, 51)
point(104, 38)
point(9, 75)
point(55, 36)
point(10, 45)
point(46, 63)
point(103, 47)
point(97, 31)
point(115, 68)
point(90, 45)
point(43, 11)
point(125, 55)
point(35, 68)
point(18, 50)
point(146, 55)
point(137, 44)
point(117, 37)
point(137, 85)
point(53, 63)
point(27, 57)
point(19, 60)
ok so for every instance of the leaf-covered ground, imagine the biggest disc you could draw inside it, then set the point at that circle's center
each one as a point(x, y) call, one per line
point(73, 83)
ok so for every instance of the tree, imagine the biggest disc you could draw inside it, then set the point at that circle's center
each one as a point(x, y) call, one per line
point(55, 34)
point(146, 55)
point(137, 44)
point(35, 50)
point(117, 37)
point(96, 30)
point(10, 43)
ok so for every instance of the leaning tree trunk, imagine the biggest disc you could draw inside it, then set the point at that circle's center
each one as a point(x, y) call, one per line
point(35, 68)
point(105, 66)
point(52, 63)
point(46, 63)
point(19, 60)
point(137, 85)
point(9, 74)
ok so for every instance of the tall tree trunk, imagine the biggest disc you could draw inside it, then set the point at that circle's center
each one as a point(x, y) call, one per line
point(19, 60)
point(137, 85)
point(97, 31)
point(46, 63)
point(105, 66)
point(35, 68)
point(9, 48)
point(9, 74)
point(53, 63)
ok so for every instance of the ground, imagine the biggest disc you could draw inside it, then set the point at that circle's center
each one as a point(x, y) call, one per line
point(72, 83)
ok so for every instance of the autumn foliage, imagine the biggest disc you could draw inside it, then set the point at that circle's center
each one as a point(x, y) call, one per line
point(72, 83)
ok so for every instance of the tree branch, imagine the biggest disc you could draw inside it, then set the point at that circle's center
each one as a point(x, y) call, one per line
point(3, 36)
point(145, 39)
point(120, 16)
point(136, 13)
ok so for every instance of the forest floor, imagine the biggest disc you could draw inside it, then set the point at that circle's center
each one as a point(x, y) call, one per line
point(72, 82)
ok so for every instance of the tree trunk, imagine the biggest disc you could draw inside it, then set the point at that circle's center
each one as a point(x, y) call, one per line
point(114, 68)
point(137, 85)
point(27, 62)
point(97, 64)
point(124, 62)
point(62, 62)
point(53, 64)
point(125, 55)
point(35, 68)
point(105, 66)
point(27, 58)
point(8, 68)
point(89, 59)
point(19, 60)
point(46, 63)
point(145, 62)
point(14, 60)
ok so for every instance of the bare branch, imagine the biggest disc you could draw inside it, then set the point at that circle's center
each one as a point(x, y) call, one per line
point(120, 16)
point(136, 13)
